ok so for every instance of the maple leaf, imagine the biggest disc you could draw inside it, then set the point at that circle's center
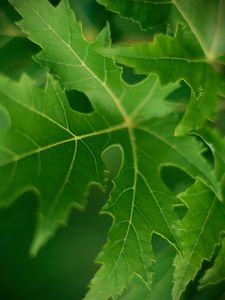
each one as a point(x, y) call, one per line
point(201, 234)
point(56, 151)
point(195, 53)
point(216, 273)
point(205, 219)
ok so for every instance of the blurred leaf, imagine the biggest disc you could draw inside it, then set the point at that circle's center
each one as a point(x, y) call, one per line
point(15, 59)
point(207, 27)
point(148, 14)
point(217, 272)
point(8, 29)
point(216, 292)
point(63, 268)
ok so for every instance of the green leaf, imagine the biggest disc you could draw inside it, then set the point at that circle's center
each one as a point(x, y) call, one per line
point(137, 289)
point(217, 272)
point(163, 275)
point(16, 58)
point(48, 149)
point(208, 26)
point(39, 151)
point(56, 151)
point(149, 14)
point(215, 292)
point(216, 142)
point(174, 58)
point(162, 279)
point(8, 30)
point(200, 235)
point(204, 222)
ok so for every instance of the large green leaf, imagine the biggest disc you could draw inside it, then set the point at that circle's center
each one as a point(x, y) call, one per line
point(56, 151)
point(174, 58)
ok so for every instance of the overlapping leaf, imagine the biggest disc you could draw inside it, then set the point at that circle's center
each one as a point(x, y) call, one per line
point(162, 279)
point(196, 54)
point(217, 272)
point(203, 224)
point(204, 18)
point(201, 234)
point(57, 152)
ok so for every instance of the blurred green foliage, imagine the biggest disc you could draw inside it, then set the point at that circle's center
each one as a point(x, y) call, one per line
point(64, 267)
